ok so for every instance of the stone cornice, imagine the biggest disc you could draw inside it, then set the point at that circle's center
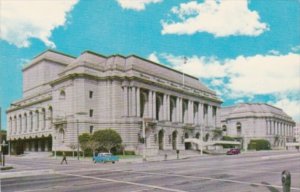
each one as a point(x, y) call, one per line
point(29, 104)
point(146, 81)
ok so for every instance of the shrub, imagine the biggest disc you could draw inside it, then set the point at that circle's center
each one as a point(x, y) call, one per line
point(227, 138)
point(259, 144)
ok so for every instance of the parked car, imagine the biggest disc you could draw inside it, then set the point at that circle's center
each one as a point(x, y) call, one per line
point(105, 157)
point(233, 152)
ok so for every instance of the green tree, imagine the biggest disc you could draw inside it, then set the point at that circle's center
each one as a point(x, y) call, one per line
point(93, 145)
point(107, 139)
point(83, 142)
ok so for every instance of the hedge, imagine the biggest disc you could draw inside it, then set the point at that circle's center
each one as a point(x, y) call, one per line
point(227, 138)
point(259, 144)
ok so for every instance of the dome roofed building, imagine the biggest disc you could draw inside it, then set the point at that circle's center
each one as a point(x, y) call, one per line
point(251, 121)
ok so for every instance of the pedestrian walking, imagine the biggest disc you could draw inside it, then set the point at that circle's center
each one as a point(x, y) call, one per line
point(64, 158)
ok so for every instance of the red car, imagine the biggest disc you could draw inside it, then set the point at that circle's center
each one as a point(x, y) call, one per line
point(233, 152)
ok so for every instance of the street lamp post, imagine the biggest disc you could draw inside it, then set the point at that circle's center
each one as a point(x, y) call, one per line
point(144, 137)
point(77, 122)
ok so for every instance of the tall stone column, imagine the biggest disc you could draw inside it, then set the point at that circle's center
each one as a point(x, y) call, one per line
point(209, 114)
point(177, 110)
point(190, 113)
point(168, 107)
point(133, 106)
point(125, 100)
point(180, 110)
point(267, 127)
point(200, 108)
point(150, 102)
point(138, 102)
point(154, 105)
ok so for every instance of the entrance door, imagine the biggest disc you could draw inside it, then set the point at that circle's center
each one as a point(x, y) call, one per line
point(174, 140)
point(161, 139)
point(187, 145)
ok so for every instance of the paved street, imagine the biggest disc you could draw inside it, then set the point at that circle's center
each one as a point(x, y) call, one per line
point(246, 172)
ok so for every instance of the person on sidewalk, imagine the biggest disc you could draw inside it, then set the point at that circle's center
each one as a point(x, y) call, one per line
point(64, 158)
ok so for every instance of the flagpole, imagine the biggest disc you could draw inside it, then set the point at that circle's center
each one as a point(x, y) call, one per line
point(184, 62)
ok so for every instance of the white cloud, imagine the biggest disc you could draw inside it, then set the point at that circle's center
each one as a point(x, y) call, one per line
point(137, 5)
point(247, 77)
point(259, 74)
point(296, 48)
point(197, 66)
point(153, 57)
point(218, 17)
point(22, 20)
point(264, 74)
point(291, 107)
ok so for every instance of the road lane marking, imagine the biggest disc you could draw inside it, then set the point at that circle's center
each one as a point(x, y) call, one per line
point(124, 182)
point(215, 179)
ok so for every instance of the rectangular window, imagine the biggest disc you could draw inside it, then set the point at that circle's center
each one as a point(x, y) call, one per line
point(91, 129)
point(91, 112)
point(91, 94)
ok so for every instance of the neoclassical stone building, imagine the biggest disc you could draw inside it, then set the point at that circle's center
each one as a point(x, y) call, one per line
point(257, 121)
point(65, 96)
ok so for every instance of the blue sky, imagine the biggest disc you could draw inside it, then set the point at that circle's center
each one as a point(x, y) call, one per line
point(247, 51)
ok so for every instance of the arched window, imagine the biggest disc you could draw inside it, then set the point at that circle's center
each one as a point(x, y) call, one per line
point(37, 119)
point(224, 128)
point(25, 122)
point(62, 95)
point(238, 128)
point(20, 123)
point(31, 120)
point(44, 118)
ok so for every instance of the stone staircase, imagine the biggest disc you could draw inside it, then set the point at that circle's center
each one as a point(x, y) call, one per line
point(36, 155)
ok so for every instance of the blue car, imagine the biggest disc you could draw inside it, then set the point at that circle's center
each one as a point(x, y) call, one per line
point(105, 157)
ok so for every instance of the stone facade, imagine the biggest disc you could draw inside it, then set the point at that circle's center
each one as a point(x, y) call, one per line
point(65, 96)
point(297, 132)
point(257, 121)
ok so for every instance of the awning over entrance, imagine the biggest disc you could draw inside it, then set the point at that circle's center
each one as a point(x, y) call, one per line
point(210, 143)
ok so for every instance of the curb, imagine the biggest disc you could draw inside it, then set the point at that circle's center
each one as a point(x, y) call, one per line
point(26, 173)
point(280, 156)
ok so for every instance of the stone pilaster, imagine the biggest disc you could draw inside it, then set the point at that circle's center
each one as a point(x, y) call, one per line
point(125, 98)
point(154, 105)
point(138, 102)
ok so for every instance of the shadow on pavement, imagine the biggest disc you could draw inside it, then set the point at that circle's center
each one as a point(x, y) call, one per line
point(272, 189)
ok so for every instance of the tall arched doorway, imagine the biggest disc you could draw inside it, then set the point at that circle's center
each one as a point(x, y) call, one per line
point(187, 145)
point(161, 139)
point(174, 140)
